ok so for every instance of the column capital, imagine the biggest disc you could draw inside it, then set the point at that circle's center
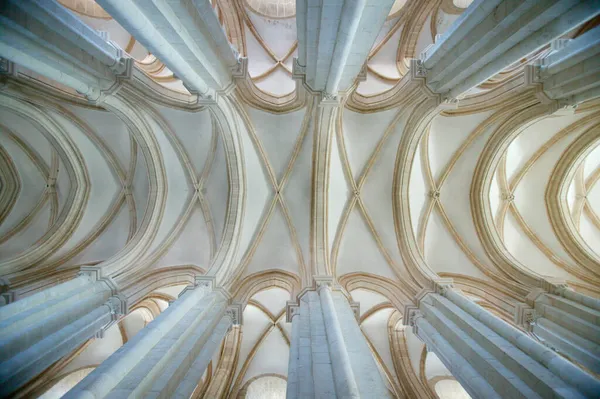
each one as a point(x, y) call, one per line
point(208, 284)
point(94, 273)
point(123, 70)
point(525, 316)
point(240, 69)
point(410, 315)
point(554, 286)
point(292, 308)
point(235, 311)
point(6, 296)
point(319, 281)
point(118, 307)
point(200, 282)
point(441, 285)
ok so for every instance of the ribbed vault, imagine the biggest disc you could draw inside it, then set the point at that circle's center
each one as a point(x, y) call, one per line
point(499, 193)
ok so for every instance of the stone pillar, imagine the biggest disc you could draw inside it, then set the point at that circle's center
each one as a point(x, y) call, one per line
point(37, 331)
point(493, 34)
point(186, 35)
point(170, 355)
point(569, 73)
point(489, 357)
point(334, 40)
point(345, 383)
point(292, 381)
point(565, 321)
point(44, 37)
point(329, 356)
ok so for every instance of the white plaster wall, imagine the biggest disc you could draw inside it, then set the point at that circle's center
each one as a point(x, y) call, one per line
point(527, 253)
point(530, 196)
point(141, 187)
point(255, 322)
point(384, 61)
point(279, 34)
point(273, 299)
point(32, 181)
point(455, 194)
point(278, 83)
point(104, 185)
point(415, 348)
point(298, 190)
point(217, 190)
point(179, 192)
point(259, 60)
point(258, 194)
point(367, 299)
point(425, 38)
point(192, 246)
point(442, 252)
point(264, 360)
point(373, 85)
point(27, 236)
point(339, 192)
point(111, 241)
point(359, 251)
point(375, 327)
point(418, 190)
point(444, 21)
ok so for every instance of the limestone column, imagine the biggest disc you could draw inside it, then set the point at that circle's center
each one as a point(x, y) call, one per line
point(489, 357)
point(493, 34)
point(569, 73)
point(170, 355)
point(186, 35)
point(37, 331)
point(46, 38)
point(329, 356)
point(292, 381)
point(334, 39)
point(565, 321)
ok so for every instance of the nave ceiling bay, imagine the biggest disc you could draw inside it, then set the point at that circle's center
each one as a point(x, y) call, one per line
point(269, 179)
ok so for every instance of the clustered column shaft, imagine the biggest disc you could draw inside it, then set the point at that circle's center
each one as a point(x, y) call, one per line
point(566, 321)
point(329, 356)
point(489, 357)
point(38, 330)
point(170, 355)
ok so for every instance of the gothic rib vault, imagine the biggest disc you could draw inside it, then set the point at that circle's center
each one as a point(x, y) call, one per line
point(267, 151)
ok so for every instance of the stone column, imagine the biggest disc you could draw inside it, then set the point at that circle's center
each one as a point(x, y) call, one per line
point(565, 321)
point(329, 356)
point(493, 34)
point(345, 383)
point(186, 35)
point(37, 331)
point(170, 355)
point(489, 357)
point(334, 40)
point(569, 73)
point(292, 381)
point(46, 38)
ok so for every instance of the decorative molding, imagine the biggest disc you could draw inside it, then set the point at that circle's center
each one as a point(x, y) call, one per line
point(117, 305)
point(235, 312)
point(292, 308)
point(525, 316)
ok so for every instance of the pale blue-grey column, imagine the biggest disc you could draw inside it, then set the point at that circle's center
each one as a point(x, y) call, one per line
point(491, 358)
point(37, 331)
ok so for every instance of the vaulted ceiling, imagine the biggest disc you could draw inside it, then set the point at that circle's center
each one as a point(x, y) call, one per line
point(481, 200)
